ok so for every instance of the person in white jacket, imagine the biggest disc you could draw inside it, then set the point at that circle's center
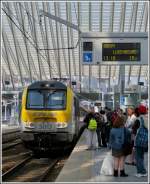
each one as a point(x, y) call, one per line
point(129, 123)
point(131, 118)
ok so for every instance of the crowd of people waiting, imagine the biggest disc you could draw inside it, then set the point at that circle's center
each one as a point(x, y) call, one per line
point(125, 133)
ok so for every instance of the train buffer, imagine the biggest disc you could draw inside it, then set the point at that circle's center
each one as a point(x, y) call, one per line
point(84, 166)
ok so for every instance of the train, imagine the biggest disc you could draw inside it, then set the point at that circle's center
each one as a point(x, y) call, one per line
point(49, 115)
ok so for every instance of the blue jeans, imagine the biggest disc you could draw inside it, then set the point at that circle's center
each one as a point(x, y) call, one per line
point(139, 155)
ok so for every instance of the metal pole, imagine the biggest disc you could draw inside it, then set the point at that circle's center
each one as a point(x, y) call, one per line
point(80, 66)
point(5, 116)
point(122, 16)
point(122, 80)
point(62, 38)
point(99, 77)
point(100, 29)
point(90, 66)
point(35, 37)
point(57, 39)
point(71, 38)
point(15, 41)
point(109, 78)
point(68, 37)
point(140, 94)
point(26, 43)
point(8, 58)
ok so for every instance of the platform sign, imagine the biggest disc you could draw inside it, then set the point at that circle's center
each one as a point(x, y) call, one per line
point(87, 57)
point(114, 48)
point(121, 52)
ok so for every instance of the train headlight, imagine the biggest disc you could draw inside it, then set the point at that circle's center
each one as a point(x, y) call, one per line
point(61, 125)
point(29, 125)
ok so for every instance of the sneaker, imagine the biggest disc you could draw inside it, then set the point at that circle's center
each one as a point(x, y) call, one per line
point(140, 175)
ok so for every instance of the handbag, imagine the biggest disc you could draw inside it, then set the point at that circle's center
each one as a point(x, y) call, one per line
point(127, 146)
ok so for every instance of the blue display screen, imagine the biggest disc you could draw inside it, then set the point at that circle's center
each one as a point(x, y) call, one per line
point(87, 57)
point(122, 100)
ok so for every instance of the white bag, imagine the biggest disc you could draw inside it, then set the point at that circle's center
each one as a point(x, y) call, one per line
point(107, 165)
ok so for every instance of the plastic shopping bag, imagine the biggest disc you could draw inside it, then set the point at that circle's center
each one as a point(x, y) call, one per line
point(107, 165)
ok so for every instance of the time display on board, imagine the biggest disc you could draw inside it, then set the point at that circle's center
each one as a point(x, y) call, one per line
point(121, 52)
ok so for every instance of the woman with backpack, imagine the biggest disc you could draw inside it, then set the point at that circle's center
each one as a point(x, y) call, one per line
point(91, 126)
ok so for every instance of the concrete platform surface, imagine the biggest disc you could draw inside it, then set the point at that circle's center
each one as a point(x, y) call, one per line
point(84, 166)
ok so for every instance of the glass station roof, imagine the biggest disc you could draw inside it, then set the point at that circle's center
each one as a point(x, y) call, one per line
point(30, 42)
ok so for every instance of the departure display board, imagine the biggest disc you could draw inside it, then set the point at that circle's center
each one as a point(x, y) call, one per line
point(121, 52)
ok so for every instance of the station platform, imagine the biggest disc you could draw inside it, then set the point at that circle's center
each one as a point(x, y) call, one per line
point(84, 166)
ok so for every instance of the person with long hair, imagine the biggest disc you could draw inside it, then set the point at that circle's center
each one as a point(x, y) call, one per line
point(129, 125)
point(116, 141)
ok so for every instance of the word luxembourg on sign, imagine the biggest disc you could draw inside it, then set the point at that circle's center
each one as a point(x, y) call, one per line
point(128, 48)
point(121, 51)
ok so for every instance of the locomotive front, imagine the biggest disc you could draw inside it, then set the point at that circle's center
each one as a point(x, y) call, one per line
point(46, 115)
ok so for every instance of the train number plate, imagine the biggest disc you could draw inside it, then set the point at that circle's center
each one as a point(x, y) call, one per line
point(45, 126)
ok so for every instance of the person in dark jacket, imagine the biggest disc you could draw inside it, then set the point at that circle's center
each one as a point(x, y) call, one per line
point(135, 127)
point(109, 123)
point(116, 141)
point(103, 128)
point(136, 124)
point(99, 120)
point(141, 146)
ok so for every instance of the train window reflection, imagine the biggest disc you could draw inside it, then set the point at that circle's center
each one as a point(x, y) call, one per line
point(46, 99)
point(35, 100)
point(56, 100)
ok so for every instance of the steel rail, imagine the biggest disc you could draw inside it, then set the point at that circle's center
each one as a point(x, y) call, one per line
point(6, 158)
point(45, 174)
point(11, 171)
point(6, 147)
point(12, 132)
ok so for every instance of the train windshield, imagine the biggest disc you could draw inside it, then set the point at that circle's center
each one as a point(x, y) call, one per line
point(46, 99)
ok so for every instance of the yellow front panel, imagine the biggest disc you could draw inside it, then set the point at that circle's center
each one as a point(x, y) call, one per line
point(48, 115)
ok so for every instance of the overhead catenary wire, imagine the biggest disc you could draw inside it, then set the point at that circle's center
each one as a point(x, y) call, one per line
point(82, 13)
point(24, 34)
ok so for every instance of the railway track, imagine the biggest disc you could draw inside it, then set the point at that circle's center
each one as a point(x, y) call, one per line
point(12, 170)
point(30, 170)
point(20, 156)
point(10, 144)
point(10, 136)
point(46, 173)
